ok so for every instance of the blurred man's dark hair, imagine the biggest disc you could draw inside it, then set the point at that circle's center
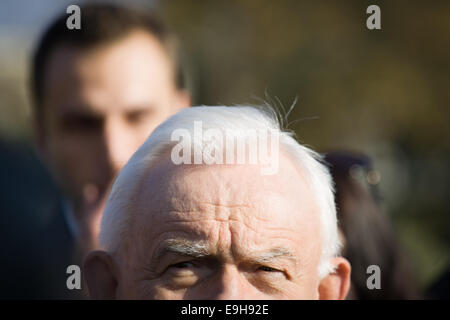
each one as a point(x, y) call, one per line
point(369, 238)
point(100, 24)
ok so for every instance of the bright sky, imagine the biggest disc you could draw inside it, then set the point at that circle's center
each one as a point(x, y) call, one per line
point(31, 16)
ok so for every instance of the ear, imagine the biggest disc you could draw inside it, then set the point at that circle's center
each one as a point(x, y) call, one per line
point(101, 275)
point(182, 100)
point(335, 286)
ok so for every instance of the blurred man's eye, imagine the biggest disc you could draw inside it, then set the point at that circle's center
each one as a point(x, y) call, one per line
point(137, 116)
point(81, 123)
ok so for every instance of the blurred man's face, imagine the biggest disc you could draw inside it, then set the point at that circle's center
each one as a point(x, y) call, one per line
point(99, 107)
point(223, 232)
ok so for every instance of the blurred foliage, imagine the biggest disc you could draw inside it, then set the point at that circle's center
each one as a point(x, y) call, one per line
point(384, 92)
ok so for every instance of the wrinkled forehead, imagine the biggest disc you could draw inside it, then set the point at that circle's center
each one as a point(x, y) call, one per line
point(170, 191)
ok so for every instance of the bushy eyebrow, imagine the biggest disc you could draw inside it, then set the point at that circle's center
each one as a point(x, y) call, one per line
point(190, 248)
point(200, 249)
point(273, 254)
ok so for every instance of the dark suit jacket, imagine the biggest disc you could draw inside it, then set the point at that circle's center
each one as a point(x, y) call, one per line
point(36, 245)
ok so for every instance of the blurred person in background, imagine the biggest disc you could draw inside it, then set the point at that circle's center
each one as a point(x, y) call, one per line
point(366, 231)
point(98, 92)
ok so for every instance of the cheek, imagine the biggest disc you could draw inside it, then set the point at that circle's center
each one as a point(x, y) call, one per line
point(155, 291)
point(152, 121)
point(311, 286)
point(73, 162)
point(308, 277)
point(139, 133)
point(165, 294)
point(73, 155)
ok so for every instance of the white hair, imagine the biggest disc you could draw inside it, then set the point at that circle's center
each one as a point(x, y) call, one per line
point(116, 217)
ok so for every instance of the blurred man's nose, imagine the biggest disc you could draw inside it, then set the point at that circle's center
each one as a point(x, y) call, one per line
point(119, 143)
point(231, 284)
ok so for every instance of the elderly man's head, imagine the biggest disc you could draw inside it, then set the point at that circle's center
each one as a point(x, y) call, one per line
point(220, 229)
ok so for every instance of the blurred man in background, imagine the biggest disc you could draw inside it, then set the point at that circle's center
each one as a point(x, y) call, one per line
point(98, 92)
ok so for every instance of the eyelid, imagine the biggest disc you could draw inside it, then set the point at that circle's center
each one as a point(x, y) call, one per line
point(181, 262)
point(273, 269)
point(174, 265)
point(197, 264)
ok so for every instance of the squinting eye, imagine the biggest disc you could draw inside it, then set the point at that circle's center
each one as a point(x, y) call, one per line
point(267, 269)
point(182, 265)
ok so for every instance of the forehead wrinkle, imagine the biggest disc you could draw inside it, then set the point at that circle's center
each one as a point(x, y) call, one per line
point(181, 205)
point(178, 197)
point(207, 208)
point(164, 217)
point(180, 202)
point(248, 220)
point(288, 234)
point(228, 220)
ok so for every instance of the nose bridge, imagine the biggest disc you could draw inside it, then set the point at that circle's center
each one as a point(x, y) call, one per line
point(116, 143)
point(231, 285)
